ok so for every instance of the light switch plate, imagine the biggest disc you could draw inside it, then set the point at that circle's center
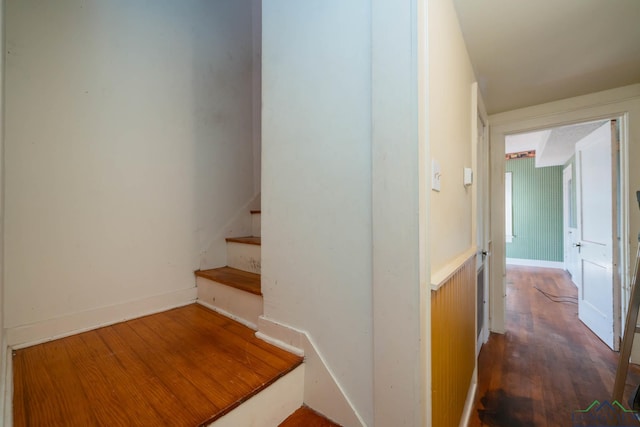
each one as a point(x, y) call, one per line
point(436, 175)
point(468, 176)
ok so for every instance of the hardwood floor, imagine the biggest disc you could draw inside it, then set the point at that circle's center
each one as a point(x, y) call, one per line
point(306, 417)
point(548, 364)
point(182, 367)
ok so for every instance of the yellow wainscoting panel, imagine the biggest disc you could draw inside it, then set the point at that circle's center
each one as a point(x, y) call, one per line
point(453, 316)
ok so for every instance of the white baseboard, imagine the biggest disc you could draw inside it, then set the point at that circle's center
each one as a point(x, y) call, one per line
point(245, 307)
point(482, 339)
point(500, 331)
point(535, 263)
point(225, 313)
point(280, 344)
point(322, 391)
point(283, 336)
point(35, 333)
point(471, 397)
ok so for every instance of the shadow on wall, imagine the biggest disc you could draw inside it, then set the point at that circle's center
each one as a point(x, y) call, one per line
point(222, 114)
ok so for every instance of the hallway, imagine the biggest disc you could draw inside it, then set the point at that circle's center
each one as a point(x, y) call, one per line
point(548, 364)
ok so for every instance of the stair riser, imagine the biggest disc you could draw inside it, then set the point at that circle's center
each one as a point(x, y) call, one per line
point(269, 407)
point(242, 306)
point(243, 257)
point(256, 225)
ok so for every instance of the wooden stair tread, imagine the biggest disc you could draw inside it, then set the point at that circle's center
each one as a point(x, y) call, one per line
point(249, 240)
point(307, 417)
point(239, 279)
point(183, 367)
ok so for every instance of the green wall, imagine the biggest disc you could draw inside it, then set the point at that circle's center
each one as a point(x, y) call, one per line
point(537, 211)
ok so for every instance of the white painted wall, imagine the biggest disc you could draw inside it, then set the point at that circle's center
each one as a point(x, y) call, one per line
point(342, 217)
point(401, 299)
point(451, 115)
point(256, 33)
point(316, 182)
point(128, 146)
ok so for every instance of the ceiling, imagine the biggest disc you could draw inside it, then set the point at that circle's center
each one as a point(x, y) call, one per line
point(553, 147)
point(528, 52)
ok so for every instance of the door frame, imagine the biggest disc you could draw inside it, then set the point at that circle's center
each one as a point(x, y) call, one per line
point(612, 104)
point(566, 219)
point(483, 216)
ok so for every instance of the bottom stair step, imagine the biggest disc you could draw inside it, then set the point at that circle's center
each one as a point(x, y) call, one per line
point(307, 417)
point(231, 292)
point(269, 407)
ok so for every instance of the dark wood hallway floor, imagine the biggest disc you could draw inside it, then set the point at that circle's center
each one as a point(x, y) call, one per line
point(548, 364)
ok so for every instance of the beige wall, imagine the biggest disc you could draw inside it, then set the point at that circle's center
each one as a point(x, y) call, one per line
point(451, 115)
point(5, 400)
point(128, 147)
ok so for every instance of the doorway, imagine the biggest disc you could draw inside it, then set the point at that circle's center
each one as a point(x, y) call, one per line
point(539, 169)
point(540, 118)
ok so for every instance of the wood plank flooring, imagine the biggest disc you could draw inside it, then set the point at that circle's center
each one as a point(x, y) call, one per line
point(306, 417)
point(548, 364)
point(182, 367)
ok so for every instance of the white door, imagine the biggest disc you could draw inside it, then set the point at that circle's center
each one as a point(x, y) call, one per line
point(570, 232)
point(595, 163)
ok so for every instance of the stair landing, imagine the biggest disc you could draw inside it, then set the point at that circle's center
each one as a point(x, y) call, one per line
point(183, 367)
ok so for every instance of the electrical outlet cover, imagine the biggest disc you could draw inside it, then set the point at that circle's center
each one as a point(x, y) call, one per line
point(436, 175)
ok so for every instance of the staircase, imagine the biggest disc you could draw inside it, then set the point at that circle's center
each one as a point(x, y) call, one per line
point(234, 291)
point(189, 366)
